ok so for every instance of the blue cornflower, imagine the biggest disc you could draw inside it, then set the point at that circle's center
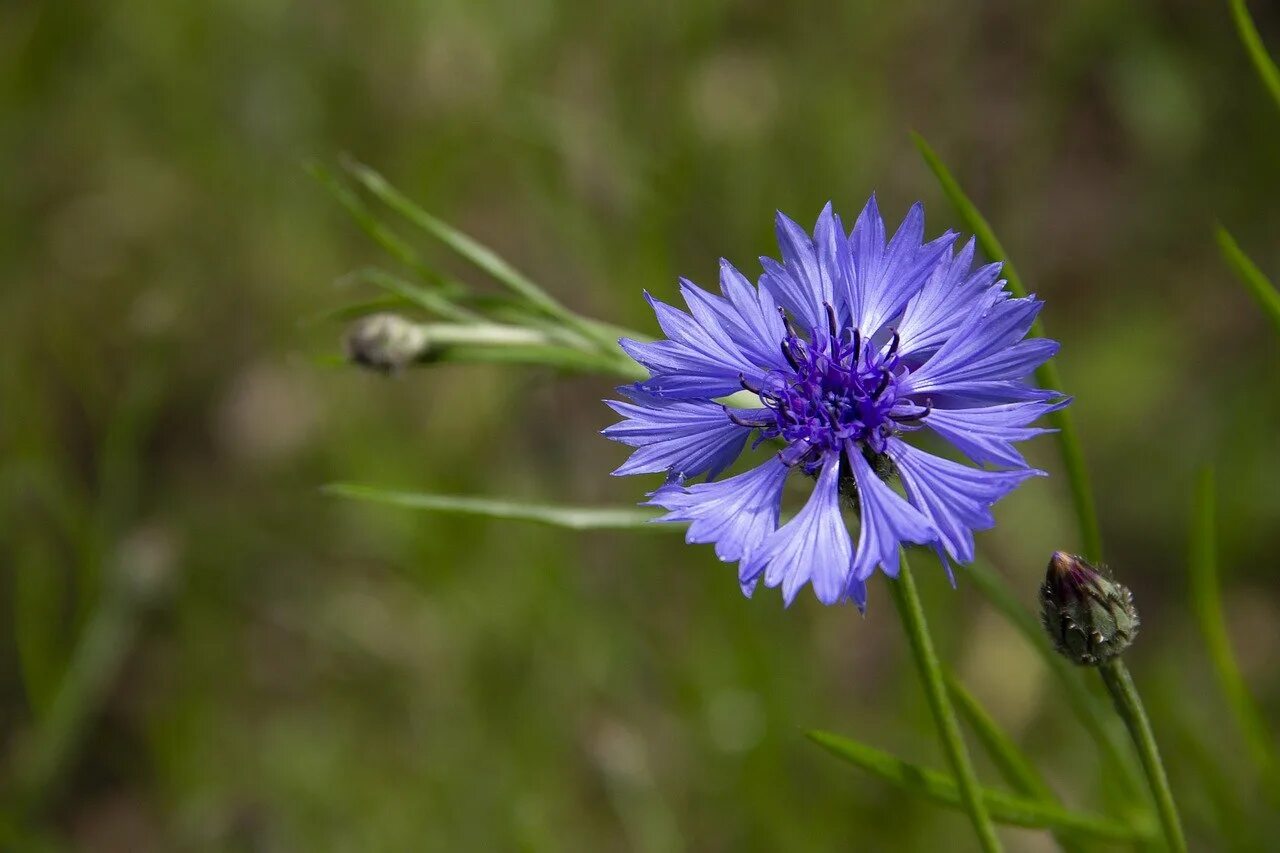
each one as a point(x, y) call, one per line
point(847, 346)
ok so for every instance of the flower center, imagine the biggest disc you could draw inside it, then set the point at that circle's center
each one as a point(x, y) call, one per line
point(840, 388)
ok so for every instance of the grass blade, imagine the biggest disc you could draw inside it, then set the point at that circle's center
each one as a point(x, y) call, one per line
point(1047, 374)
point(572, 518)
point(1015, 767)
point(423, 297)
point(1206, 603)
point(472, 250)
point(43, 756)
point(39, 599)
point(1004, 808)
point(1262, 63)
point(378, 232)
point(1259, 285)
point(355, 310)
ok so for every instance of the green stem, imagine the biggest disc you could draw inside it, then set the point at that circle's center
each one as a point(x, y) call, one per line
point(1047, 373)
point(1129, 705)
point(1262, 63)
point(1206, 603)
point(926, 659)
point(1247, 271)
point(43, 757)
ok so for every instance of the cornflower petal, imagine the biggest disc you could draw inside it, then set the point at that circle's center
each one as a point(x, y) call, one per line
point(957, 499)
point(736, 513)
point(986, 433)
point(887, 521)
point(814, 545)
point(684, 438)
point(889, 276)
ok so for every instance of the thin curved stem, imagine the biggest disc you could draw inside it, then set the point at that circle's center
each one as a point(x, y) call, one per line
point(1253, 45)
point(907, 599)
point(1129, 705)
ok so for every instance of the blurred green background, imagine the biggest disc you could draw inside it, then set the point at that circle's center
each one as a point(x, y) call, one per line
point(313, 674)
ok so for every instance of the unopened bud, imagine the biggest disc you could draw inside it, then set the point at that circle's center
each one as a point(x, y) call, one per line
point(1089, 616)
point(385, 342)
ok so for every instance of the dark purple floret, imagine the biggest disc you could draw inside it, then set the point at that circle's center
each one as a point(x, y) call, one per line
point(837, 388)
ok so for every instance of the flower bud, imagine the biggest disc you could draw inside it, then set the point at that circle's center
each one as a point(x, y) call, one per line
point(385, 342)
point(1089, 616)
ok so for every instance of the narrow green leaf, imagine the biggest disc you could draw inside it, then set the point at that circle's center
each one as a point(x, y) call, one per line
point(39, 600)
point(475, 252)
point(424, 297)
point(1004, 808)
point(1015, 767)
point(1203, 759)
point(1013, 764)
point(472, 250)
point(1258, 284)
point(573, 518)
point(386, 302)
point(1206, 602)
point(42, 756)
point(1253, 45)
point(1047, 374)
point(379, 233)
point(560, 358)
point(1087, 707)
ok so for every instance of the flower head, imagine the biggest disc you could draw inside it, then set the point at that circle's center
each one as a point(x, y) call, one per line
point(849, 344)
point(1089, 616)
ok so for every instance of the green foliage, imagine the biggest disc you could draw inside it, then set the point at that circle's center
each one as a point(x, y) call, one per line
point(1005, 808)
point(572, 518)
point(1247, 271)
point(331, 675)
point(1252, 41)
point(1206, 604)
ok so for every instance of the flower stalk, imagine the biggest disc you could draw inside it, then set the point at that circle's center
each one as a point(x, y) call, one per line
point(1091, 619)
point(389, 343)
point(1129, 705)
point(929, 668)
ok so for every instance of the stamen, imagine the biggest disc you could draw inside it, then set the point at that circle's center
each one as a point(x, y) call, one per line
point(791, 359)
point(893, 345)
point(906, 419)
point(786, 321)
point(857, 345)
point(884, 383)
point(740, 421)
point(747, 386)
point(831, 322)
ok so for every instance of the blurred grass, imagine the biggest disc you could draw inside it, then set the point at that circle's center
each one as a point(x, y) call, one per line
point(325, 675)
